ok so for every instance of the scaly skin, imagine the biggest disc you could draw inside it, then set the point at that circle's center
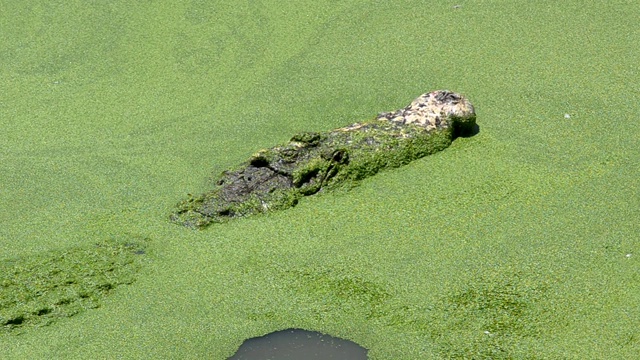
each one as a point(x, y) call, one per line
point(277, 178)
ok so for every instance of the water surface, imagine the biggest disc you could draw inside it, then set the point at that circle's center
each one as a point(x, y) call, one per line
point(297, 344)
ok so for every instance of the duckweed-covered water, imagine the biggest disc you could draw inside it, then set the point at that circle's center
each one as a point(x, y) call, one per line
point(518, 242)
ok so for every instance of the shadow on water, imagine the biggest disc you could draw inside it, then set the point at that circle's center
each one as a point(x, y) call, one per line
point(297, 344)
point(473, 131)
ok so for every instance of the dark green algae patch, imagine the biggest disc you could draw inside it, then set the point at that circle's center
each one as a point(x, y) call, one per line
point(37, 290)
point(312, 162)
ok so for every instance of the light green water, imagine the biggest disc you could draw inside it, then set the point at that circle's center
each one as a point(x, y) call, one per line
point(519, 242)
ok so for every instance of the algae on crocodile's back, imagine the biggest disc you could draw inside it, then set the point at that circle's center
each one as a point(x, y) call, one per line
point(276, 178)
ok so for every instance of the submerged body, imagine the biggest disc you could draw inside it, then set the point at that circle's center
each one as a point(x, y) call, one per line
point(310, 162)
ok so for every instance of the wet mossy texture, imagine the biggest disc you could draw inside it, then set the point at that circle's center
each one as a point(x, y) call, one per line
point(312, 162)
point(37, 290)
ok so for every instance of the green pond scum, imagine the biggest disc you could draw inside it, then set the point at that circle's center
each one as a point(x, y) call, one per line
point(520, 241)
point(500, 307)
point(37, 290)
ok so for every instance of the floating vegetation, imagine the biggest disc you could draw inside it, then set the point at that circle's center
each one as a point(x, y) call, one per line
point(495, 316)
point(37, 290)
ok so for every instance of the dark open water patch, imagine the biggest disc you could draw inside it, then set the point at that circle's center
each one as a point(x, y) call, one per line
point(297, 344)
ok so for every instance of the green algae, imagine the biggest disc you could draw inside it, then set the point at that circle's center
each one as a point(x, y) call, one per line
point(500, 311)
point(130, 128)
point(38, 290)
point(339, 289)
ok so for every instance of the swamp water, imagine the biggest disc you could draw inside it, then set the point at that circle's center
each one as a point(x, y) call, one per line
point(297, 344)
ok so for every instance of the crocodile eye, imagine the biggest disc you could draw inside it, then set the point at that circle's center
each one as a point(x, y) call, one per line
point(259, 161)
point(340, 156)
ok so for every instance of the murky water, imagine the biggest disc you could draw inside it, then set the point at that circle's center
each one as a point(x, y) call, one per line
point(296, 344)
